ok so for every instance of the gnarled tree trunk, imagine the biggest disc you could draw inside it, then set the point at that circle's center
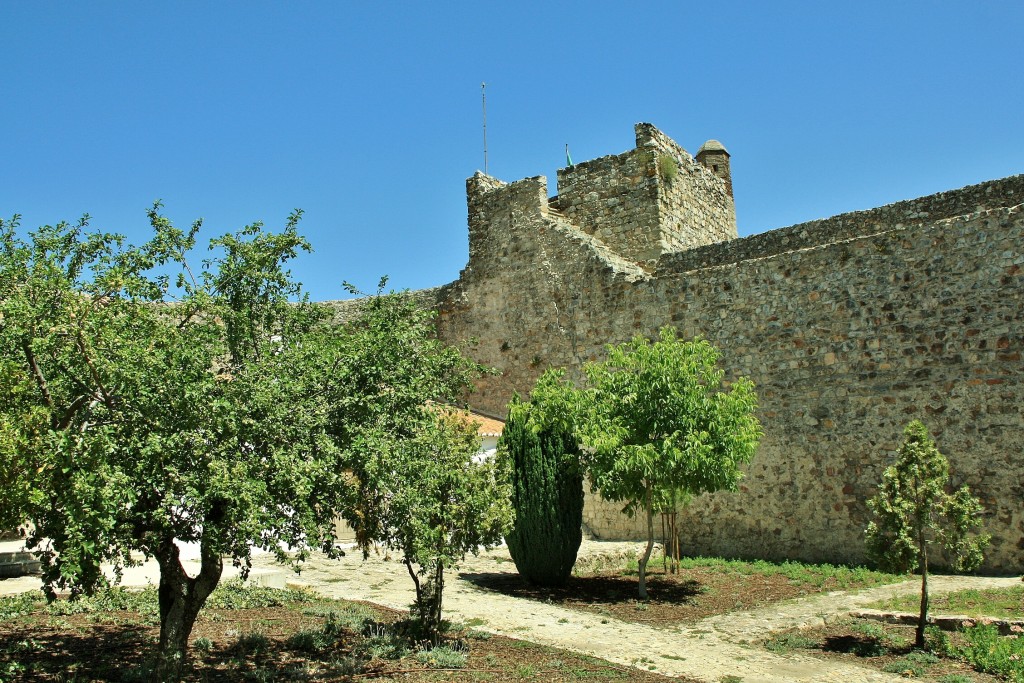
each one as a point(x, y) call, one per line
point(181, 597)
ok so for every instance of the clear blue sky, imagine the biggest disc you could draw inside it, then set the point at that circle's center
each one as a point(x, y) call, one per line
point(367, 115)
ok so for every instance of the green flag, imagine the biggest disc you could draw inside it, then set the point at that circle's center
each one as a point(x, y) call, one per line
point(568, 159)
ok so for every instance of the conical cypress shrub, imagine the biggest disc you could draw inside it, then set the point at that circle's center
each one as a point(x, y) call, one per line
point(547, 495)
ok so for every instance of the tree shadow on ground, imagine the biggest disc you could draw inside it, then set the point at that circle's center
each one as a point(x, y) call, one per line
point(861, 646)
point(588, 590)
point(97, 652)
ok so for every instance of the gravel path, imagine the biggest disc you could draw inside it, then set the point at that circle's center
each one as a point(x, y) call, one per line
point(723, 645)
point(709, 650)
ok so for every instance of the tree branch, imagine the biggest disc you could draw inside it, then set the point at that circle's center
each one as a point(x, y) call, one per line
point(37, 373)
point(80, 342)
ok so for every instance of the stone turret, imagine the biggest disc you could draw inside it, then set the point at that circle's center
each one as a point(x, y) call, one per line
point(713, 156)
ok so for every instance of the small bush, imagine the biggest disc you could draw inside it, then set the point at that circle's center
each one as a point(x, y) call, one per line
point(443, 657)
point(784, 642)
point(312, 640)
point(114, 599)
point(235, 594)
point(956, 678)
point(937, 640)
point(904, 667)
point(202, 644)
point(19, 605)
point(252, 643)
point(384, 643)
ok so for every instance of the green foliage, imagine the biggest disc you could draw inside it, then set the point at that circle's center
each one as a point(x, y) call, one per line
point(146, 402)
point(235, 594)
point(18, 605)
point(937, 640)
point(956, 678)
point(410, 475)
point(668, 168)
point(543, 462)
point(113, 599)
point(660, 426)
point(913, 510)
point(790, 640)
point(443, 657)
point(312, 640)
point(253, 642)
point(989, 652)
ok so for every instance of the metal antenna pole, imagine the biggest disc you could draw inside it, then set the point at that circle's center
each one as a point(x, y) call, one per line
point(483, 95)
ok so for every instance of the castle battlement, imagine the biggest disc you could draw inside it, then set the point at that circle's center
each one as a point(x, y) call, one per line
point(648, 201)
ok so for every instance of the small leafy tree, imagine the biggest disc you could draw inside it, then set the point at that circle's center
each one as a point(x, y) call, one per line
point(140, 411)
point(544, 465)
point(410, 477)
point(912, 510)
point(441, 506)
point(661, 426)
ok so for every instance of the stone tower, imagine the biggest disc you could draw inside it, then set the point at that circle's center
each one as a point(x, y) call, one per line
point(713, 156)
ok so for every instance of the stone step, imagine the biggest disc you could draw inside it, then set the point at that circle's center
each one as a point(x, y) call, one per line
point(18, 563)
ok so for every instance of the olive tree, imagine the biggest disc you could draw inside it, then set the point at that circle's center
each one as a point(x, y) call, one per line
point(661, 425)
point(913, 510)
point(148, 403)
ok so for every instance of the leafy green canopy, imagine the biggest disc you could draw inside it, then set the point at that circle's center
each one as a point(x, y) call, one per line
point(657, 425)
point(146, 402)
point(410, 480)
point(151, 413)
point(913, 511)
point(661, 424)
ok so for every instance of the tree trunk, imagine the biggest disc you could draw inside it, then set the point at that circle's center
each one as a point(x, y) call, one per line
point(922, 618)
point(416, 582)
point(181, 598)
point(435, 604)
point(642, 564)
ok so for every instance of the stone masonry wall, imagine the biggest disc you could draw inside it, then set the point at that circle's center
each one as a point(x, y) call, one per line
point(847, 344)
point(695, 207)
point(614, 198)
point(921, 211)
point(628, 202)
point(847, 336)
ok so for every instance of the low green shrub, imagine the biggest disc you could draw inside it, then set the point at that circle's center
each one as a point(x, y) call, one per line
point(989, 652)
point(443, 657)
point(236, 594)
point(251, 643)
point(784, 642)
point(311, 640)
point(956, 678)
point(13, 606)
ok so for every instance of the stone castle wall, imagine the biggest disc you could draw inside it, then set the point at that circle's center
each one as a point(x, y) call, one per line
point(921, 211)
point(848, 343)
point(850, 327)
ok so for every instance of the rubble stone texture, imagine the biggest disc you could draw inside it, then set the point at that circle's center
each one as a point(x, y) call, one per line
point(849, 326)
